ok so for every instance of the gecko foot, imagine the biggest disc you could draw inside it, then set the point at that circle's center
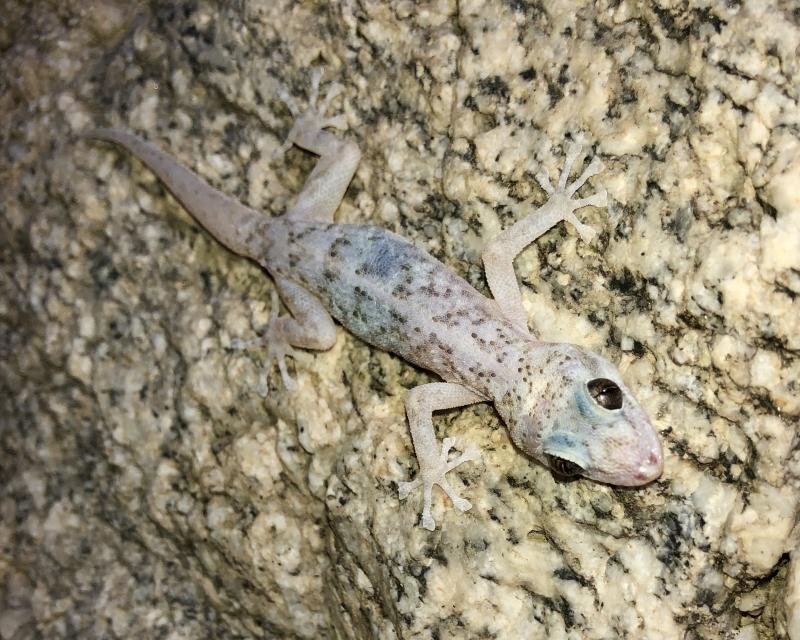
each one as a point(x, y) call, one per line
point(561, 194)
point(276, 339)
point(309, 122)
point(433, 472)
point(278, 347)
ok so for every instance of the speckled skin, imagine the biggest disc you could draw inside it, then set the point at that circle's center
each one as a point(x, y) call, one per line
point(397, 297)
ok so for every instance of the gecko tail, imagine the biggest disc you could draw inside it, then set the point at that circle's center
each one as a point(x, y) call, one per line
point(231, 223)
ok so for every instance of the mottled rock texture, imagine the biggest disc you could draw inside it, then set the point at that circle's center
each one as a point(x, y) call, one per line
point(155, 484)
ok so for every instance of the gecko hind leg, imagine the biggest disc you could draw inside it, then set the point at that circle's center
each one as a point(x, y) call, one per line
point(274, 337)
point(325, 186)
point(309, 326)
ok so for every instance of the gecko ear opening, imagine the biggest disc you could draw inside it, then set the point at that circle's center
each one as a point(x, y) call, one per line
point(564, 468)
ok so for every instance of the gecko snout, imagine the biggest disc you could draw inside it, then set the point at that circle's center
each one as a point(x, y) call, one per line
point(651, 465)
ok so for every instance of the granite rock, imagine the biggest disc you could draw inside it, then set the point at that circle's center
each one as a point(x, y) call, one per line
point(156, 481)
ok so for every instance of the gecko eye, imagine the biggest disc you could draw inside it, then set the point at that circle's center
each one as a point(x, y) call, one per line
point(564, 467)
point(606, 393)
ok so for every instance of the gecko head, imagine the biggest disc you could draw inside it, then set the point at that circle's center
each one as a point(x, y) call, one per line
point(580, 419)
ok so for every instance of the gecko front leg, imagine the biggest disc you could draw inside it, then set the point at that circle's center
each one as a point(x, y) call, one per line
point(338, 158)
point(433, 461)
point(498, 257)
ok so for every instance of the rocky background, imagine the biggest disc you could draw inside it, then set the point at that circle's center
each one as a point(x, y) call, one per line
point(155, 482)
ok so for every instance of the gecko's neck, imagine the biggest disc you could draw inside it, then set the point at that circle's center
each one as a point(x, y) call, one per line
point(521, 390)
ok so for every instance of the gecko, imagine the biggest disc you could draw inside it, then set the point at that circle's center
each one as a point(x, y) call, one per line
point(564, 406)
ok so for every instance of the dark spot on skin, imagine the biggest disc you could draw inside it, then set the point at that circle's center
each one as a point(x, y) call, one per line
point(398, 317)
point(428, 290)
point(340, 241)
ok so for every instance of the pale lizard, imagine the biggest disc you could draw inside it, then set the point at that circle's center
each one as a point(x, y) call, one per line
point(563, 405)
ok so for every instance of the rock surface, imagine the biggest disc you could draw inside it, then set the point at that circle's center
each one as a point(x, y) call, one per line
point(154, 482)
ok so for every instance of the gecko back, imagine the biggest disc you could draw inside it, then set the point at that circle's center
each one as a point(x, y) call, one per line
point(387, 292)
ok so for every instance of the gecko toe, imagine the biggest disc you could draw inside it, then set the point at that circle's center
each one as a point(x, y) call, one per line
point(404, 488)
point(288, 381)
point(471, 453)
